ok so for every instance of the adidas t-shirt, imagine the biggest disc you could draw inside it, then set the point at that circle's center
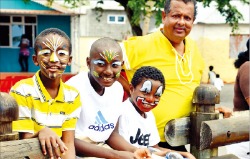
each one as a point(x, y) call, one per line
point(99, 114)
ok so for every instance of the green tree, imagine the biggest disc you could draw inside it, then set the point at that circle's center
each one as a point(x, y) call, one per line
point(136, 10)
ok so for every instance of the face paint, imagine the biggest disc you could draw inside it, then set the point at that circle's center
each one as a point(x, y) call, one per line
point(159, 91)
point(143, 103)
point(98, 62)
point(118, 74)
point(95, 74)
point(53, 57)
point(146, 87)
point(45, 51)
point(53, 44)
point(52, 50)
point(109, 55)
point(116, 63)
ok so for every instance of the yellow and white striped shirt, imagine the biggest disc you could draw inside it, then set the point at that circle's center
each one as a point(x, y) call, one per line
point(38, 110)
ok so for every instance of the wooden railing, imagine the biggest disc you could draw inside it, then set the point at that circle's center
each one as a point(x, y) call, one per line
point(203, 130)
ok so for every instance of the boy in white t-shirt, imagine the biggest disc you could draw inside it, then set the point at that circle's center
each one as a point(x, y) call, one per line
point(218, 83)
point(137, 123)
point(101, 97)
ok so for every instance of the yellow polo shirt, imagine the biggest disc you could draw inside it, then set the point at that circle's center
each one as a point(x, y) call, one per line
point(37, 109)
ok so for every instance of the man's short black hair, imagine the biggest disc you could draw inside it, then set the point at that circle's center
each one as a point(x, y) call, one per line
point(167, 6)
point(148, 72)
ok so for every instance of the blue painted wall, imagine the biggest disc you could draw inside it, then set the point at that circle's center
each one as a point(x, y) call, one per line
point(9, 56)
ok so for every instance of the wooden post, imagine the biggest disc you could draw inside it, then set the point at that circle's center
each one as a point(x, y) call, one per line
point(204, 99)
point(8, 113)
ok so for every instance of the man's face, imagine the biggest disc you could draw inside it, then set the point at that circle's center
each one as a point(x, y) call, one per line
point(105, 66)
point(147, 94)
point(179, 21)
point(52, 56)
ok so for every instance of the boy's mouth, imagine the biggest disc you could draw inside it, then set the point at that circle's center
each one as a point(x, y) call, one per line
point(107, 79)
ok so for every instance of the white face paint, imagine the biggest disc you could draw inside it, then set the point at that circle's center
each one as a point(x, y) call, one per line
point(159, 91)
point(146, 87)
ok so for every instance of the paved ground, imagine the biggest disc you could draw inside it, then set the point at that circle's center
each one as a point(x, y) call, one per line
point(226, 96)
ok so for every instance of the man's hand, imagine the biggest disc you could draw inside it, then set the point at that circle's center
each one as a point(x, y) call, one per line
point(51, 142)
point(227, 112)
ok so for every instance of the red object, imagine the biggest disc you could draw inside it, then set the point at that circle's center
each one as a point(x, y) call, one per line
point(7, 80)
point(125, 95)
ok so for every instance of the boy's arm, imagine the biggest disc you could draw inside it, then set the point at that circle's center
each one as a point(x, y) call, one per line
point(116, 141)
point(68, 139)
point(85, 149)
point(164, 151)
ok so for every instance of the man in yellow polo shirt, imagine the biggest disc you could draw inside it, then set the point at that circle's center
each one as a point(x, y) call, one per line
point(176, 56)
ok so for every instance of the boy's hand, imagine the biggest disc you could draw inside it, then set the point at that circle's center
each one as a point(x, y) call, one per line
point(188, 155)
point(50, 141)
point(142, 153)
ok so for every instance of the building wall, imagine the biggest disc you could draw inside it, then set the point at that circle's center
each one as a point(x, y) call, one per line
point(214, 43)
point(90, 27)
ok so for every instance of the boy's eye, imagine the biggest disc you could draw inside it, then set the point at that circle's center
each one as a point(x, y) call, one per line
point(116, 63)
point(99, 62)
point(44, 52)
point(159, 91)
point(63, 53)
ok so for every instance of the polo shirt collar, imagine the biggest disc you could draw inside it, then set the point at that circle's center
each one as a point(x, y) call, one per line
point(43, 93)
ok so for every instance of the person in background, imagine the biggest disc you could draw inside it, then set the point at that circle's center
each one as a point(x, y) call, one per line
point(101, 97)
point(48, 108)
point(24, 53)
point(137, 122)
point(211, 75)
point(241, 99)
point(218, 83)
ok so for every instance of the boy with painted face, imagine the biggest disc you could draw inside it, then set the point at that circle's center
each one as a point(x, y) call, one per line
point(101, 97)
point(137, 123)
point(48, 108)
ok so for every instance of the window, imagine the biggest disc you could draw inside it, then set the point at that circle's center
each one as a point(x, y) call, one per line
point(12, 27)
point(116, 19)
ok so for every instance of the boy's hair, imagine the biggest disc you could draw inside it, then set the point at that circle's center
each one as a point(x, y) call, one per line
point(211, 68)
point(167, 6)
point(52, 31)
point(104, 43)
point(148, 72)
point(217, 76)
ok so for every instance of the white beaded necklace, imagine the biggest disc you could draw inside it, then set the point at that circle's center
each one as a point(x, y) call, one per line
point(179, 63)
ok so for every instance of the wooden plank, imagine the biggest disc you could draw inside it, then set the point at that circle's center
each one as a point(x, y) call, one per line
point(177, 131)
point(19, 149)
point(215, 133)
